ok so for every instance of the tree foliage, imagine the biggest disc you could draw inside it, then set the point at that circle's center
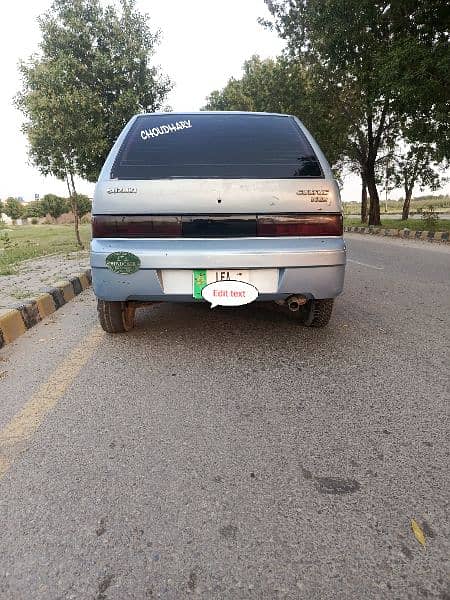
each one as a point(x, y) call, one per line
point(53, 205)
point(413, 165)
point(92, 73)
point(283, 85)
point(84, 204)
point(13, 208)
point(33, 209)
point(371, 59)
point(265, 86)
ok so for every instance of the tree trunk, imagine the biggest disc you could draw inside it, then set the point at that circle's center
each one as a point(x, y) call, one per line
point(406, 204)
point(374, 209)
point(73, 204)
point(364, 215)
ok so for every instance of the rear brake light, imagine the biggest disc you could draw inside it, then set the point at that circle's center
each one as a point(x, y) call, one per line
point(164, 226)
point(299, 225)
point(136, 226)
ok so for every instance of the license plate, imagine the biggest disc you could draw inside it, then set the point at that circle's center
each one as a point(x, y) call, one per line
point(203, 277)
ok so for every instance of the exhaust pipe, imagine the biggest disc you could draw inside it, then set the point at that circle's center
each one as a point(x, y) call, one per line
point(294, 302)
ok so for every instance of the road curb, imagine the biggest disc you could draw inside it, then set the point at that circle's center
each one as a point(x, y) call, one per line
point(428, 236)
point(27, 314)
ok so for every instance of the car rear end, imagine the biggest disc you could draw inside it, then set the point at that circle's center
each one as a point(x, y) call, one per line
point(201, 197)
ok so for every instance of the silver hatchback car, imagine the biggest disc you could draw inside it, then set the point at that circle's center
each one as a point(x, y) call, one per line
point(186, 199)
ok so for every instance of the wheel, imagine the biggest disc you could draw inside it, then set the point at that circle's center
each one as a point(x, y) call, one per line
point(115, 317)
point(316, 313)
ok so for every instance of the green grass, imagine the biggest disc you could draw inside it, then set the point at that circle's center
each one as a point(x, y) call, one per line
point(439, 203)
point(18, 243)
point(414, 224)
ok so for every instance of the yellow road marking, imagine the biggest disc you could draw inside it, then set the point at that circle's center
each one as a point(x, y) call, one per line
point(23, 425)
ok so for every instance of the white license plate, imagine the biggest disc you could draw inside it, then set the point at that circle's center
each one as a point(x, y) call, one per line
point(180, 281)
point(227, 275)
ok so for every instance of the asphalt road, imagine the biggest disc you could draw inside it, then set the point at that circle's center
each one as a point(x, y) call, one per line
point(232, 454)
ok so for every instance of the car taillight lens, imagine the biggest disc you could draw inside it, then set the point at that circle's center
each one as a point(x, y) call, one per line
point(299, 225)
point(136, 226)
point(166, 226)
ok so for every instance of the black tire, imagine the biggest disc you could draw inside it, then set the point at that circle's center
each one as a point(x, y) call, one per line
point(115, 317)
point(316, 313)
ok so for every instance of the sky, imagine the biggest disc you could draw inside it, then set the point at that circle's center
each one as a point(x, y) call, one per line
point(203, 44)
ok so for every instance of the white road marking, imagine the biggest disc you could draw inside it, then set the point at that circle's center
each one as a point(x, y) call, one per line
point(365, 264)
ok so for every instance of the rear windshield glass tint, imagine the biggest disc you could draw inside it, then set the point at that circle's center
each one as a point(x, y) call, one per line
point(215, 145)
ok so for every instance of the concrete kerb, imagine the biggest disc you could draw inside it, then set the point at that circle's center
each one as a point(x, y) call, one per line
point(428, 236)
point(24, 315)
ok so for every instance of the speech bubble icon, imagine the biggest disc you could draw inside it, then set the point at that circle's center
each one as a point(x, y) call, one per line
point(229, 293)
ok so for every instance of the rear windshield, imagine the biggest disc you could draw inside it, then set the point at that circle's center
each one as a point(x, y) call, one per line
point(215, 145)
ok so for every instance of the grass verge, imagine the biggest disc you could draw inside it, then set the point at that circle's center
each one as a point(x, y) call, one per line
point(441, 204)
point(19, 243)
point(413, 224)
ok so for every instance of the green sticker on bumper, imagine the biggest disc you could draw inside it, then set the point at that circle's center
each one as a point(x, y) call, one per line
point(124, 263)
point(198, 283)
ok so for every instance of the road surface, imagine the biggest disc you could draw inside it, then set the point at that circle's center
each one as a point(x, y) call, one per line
point(232, 454)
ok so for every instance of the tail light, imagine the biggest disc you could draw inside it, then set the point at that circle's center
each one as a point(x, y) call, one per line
point(166, 226)
point(299, 225)
point(136, 226)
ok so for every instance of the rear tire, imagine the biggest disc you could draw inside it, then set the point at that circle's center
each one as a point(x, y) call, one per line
point(115, 317)
point(316, 313)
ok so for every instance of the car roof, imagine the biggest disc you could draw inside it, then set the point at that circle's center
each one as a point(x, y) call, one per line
point(214, 112)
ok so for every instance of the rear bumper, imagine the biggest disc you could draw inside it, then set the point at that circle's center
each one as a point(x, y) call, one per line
point(311, 266)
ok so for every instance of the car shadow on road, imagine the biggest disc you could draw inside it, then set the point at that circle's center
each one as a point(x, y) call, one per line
point(191, 315)
point(259, 327)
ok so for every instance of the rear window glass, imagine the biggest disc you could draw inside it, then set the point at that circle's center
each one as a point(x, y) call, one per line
point(215, 145)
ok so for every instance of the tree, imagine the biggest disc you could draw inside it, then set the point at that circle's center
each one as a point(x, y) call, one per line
point(411, 165)
point(84, 204)
point(265, 86)
point(13, 208)
point(33, 209)
point(92, 74)
point(362, 54)
point(53, 205)
point(417, 70)
point(364, 206)
point(283, 85)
